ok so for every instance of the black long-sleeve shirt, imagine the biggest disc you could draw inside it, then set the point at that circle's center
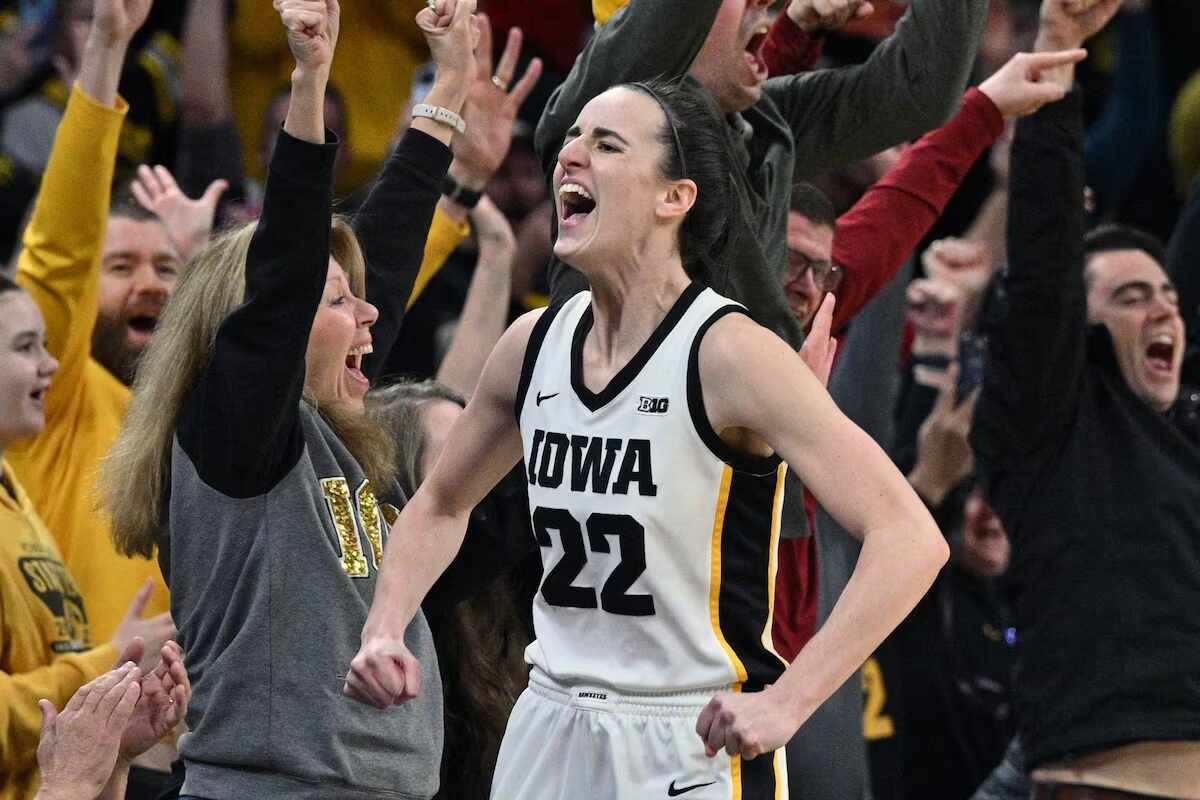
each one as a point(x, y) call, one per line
point(276, 535)
point(1099, 493)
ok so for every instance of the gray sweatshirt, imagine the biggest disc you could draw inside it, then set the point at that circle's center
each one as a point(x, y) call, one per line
point(275, 536)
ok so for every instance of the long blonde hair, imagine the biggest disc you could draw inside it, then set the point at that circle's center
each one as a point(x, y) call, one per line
point(136, 474)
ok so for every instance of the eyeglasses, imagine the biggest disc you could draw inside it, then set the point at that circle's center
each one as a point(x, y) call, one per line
point(826, 274)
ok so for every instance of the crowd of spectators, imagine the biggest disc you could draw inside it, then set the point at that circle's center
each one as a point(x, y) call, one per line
point(978, 247)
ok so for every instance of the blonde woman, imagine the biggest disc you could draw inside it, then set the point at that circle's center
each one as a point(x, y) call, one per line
point(248, 460)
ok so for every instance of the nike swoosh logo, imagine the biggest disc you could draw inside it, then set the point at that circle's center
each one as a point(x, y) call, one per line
point(672, 791)
point(542, 397)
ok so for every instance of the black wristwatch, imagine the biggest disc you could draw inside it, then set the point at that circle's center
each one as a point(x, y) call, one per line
point(457, 193)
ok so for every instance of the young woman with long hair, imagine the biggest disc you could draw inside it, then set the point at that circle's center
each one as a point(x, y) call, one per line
point(247, 457)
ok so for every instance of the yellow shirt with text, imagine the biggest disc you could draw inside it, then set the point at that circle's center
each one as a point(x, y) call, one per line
point(45, 639)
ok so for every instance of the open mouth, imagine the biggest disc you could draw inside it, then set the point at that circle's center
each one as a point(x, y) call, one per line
point(38, 396)
point(143, 324)
point(1160, 355)
point(354, 361)
point(754, 55)
point(576, 203)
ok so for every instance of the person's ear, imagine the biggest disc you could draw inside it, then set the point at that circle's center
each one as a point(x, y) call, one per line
point(678, 200)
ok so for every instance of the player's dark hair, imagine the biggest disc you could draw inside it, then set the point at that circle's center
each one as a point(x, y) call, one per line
point(811, 203)
point(696, 146)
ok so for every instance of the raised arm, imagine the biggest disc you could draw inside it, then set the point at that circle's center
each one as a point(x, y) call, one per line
point(877, 235)
point(860, 487)
point(210, 148)
point(1036, 353)
point(485, 311)
point(645, 39)
point(482, 447)
point(59, 263)
point(257, 368)
point(911, 84)
point(399, 256)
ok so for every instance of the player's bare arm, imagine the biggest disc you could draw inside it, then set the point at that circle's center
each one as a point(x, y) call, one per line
point(855, 481)
point(430, 529)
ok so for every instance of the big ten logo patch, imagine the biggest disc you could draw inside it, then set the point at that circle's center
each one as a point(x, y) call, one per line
point(355, 516)
point(49, 580)
point(653, 405)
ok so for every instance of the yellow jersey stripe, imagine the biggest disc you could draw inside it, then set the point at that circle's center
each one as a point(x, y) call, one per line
point(714, 596)
point(768, 641)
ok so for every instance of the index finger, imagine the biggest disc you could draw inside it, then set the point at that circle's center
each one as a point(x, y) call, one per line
point(966, 409)
point(823, 321)
point(483, 50)
point(1058, 58)
point(947, 391)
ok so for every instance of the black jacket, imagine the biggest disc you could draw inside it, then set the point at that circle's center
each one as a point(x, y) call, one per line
point(1099, 493)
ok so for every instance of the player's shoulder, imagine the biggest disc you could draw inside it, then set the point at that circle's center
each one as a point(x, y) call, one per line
point(732, 338)
point(515, 340)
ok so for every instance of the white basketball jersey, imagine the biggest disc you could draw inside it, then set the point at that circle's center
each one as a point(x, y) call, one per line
point(658, 541)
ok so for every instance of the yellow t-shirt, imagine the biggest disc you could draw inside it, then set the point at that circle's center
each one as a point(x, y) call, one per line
point(44, 637)
point(59, 266)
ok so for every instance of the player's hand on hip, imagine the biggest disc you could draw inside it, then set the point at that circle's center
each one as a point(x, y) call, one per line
point(745, 724)
point(384, 673)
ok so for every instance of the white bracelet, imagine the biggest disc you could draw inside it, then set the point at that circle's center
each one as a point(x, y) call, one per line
point(439, 114)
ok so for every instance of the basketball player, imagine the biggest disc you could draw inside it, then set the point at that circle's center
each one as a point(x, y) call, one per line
point(652, 415)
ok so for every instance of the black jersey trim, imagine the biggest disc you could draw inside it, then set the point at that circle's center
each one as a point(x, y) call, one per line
point(744, 601)
point(758, 776)
point(743, 462)
point(594, 401)
point(532, 348)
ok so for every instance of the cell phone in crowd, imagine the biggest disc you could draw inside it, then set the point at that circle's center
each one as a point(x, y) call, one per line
point(972, 353)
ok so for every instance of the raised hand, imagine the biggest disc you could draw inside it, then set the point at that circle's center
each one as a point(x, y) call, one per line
point(934, 311)
point(384, 673)
point(1020, 87)
point(491, 108)
point(825, 15)
point(79, 745)
point(116, 21)
point(164, 699)
point(1066, 24)
point(963, 262)
point(746, 724)
point(819, 347)
point(312, 31)
point(451, 33)
point(136, 636)
point(188, 222)
point(944, 455)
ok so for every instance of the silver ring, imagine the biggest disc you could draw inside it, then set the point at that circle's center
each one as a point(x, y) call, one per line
point(432, 5)
point(499, 84)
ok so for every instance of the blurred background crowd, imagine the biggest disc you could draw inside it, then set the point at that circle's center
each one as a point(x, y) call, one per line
point(207, 84)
